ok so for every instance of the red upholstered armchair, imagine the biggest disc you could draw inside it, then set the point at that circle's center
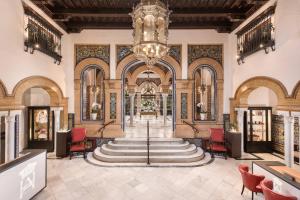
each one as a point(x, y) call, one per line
point(217, 142)
point(78, 138)
point(250, 181)
point(267, 187)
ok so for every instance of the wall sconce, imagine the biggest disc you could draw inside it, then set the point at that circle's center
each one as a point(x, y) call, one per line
point(240, 59)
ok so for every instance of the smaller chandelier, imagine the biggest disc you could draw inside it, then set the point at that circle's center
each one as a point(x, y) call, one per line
point(150, 23)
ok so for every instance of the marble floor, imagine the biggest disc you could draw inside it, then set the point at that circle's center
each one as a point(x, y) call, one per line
point(156, 127)
point(76, 179)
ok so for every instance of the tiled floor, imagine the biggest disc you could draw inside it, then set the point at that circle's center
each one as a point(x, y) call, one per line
point(77, 179)
point(156, 127)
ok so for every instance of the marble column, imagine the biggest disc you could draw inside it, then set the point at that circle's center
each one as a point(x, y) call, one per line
point(157, 100)
point(165, 97)
point(289, 140)
point(57, 111)
point(138, 102)
point(240, 124)
point(4, 114)
point(21, 136)
point(131, 96)
point(10, 138)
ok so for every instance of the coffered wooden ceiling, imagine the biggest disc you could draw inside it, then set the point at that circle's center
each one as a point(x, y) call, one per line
point(221, 15)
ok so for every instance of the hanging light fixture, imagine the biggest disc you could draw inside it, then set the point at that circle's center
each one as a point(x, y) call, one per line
point(150, 35)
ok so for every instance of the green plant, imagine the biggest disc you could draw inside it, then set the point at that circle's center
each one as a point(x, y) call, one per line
point(95, 109)
point(233, 126)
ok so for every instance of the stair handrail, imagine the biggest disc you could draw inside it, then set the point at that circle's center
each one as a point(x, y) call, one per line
point(148, 144)
point(195, 129)
point(101, 130)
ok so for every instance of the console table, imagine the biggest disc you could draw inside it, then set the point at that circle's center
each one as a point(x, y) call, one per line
point(148, 113)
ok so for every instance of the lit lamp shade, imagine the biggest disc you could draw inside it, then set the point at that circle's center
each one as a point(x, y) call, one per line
point(150, 34)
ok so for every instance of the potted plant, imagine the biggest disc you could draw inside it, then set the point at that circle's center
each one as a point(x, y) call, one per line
point(95, 110)
point(233, 127)
point(203, 113)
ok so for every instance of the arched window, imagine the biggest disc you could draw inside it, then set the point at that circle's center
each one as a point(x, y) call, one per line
point(92, 90)
point(205, 94)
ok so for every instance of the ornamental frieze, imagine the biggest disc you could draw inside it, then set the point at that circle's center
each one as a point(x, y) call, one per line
point(84, 51)
point(125, 50)
point(205, 51)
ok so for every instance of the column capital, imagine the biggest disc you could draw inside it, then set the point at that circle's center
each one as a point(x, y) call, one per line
point(131, 94)
point(165, 95)
point(10, 119)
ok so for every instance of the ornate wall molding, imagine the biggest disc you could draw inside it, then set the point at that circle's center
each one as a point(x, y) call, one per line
point(83, 51)
point(125, 50)
point(205, 51)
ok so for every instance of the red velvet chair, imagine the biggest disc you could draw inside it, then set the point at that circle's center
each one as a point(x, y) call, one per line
point(78, 139)
point(217, 142)
point(250, 181)
point(267, 187)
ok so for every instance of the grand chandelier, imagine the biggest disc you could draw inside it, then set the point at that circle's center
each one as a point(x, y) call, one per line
point(150, 21)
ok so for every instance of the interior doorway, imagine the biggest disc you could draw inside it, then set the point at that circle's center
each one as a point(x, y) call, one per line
point(148, 95)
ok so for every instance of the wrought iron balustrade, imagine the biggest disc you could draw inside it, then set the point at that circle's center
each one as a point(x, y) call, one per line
point(41, 35)
point(256, 35)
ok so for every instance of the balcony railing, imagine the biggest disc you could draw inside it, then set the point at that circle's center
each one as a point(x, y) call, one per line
point(256, 35)
point(41, 35)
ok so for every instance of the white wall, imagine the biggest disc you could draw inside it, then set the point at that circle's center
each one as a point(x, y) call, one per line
point(284, 63)
point(15, 63)
point(36, 97)
point(262, 97)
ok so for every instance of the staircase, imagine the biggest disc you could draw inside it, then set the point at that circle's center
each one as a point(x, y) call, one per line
point(162, 152)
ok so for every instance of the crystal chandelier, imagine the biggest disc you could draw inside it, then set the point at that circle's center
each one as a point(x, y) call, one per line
point(150, 23)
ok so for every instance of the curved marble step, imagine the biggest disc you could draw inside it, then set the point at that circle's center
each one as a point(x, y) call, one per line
point(144, 140)
point(105, 149)
point(184, 145)
point(197, 156)
point(205, 161)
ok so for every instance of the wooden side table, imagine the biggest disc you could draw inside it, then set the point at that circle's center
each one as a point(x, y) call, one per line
point(62, 143)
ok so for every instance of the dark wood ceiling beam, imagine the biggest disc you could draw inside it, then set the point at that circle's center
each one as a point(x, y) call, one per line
point(125, 11)
point(176, 25)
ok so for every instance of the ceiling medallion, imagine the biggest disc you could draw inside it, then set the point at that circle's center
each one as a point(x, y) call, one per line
point(150, 21)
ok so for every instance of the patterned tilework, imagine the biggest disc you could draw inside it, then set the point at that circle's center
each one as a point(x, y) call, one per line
point(205, 51)
point(83, 51)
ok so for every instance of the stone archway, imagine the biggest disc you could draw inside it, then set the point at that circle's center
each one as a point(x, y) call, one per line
point(3, 90)
point(134, 75)
point(57, 98)
point(129, 62)
point(240, 99)
point(132, 59)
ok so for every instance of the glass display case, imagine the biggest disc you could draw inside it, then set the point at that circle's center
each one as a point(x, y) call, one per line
point(257, 133)
point(40, 123)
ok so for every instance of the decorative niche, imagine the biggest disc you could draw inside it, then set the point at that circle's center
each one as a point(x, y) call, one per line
point(41, 35)
point(259, 34)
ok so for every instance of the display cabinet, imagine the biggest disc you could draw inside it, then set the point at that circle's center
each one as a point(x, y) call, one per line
point(40, 123)
point(257, 130)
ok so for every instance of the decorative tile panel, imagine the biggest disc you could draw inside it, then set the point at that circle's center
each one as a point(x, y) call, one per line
point(175, 52)
point(278, 133)
point(184, 113)
point(205, 51)
point(113, 105)
point(92, 51)
point(123, 51)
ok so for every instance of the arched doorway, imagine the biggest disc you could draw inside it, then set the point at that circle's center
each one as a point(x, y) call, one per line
point(154, 99)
